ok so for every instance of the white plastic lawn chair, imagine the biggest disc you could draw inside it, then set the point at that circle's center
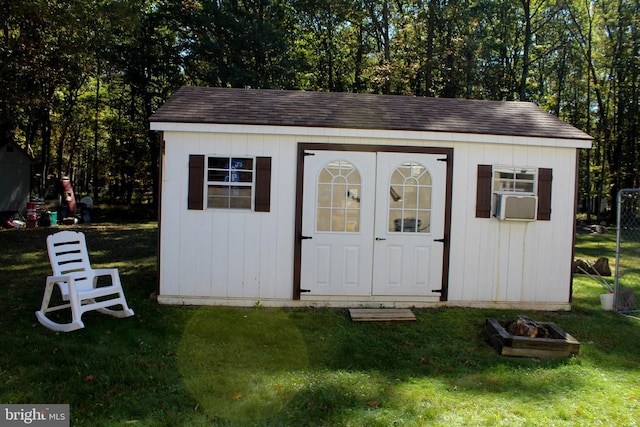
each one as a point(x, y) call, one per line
point(78, 283)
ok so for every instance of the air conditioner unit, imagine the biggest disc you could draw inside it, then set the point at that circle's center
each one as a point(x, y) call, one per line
point(515, 206)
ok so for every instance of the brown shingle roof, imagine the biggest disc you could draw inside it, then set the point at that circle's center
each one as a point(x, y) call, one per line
point(361, 111)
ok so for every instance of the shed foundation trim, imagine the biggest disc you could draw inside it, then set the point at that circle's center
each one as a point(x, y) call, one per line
point(355, 303)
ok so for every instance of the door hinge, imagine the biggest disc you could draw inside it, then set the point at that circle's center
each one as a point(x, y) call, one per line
point(305, 237)
point(439, 240)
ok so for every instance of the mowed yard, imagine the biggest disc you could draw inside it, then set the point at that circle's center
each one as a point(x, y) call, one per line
point(220, 366)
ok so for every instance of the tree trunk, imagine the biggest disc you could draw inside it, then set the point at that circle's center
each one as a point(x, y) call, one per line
point(96, 191)
point(526, 6)
point(386, 89)
point(428, 73)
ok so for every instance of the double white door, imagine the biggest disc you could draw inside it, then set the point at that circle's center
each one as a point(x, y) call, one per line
point(373, 223)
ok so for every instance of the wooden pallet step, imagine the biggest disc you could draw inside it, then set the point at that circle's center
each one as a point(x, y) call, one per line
point(381, 315)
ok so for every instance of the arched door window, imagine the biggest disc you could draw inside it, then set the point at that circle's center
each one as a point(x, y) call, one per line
point(410, 199)
point(338, 198)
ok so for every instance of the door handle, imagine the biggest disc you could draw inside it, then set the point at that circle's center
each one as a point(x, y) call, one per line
point(380, 238)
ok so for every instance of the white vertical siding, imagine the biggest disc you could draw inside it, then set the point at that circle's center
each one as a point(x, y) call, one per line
point(222, 254)
point(226, 253)
point(495, 260)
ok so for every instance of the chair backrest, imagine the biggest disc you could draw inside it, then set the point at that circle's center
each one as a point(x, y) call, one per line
point(69, 256)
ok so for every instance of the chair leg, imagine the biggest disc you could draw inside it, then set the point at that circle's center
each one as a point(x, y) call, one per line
point(120, 300)
point(46, 299)
point(124, 312)
point(58, 327)
point(41, 315)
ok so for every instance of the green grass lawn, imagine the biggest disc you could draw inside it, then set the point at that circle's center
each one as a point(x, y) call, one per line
point(216, 366)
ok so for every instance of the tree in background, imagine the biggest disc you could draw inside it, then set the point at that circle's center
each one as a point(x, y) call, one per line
point(78, 80)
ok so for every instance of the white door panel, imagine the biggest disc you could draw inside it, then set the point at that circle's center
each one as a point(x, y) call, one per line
point(337, 216)
point(407, 256)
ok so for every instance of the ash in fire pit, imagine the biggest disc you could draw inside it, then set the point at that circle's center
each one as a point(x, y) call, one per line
point(524, 326)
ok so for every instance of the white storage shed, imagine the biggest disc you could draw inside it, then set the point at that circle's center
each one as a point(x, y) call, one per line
point(288, 198)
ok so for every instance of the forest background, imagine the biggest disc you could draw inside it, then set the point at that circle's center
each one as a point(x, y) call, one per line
point(79, 78)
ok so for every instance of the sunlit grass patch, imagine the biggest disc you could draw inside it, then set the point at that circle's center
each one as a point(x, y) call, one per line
point(232, 361)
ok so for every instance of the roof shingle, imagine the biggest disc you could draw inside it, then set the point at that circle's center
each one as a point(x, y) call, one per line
point(192, 104)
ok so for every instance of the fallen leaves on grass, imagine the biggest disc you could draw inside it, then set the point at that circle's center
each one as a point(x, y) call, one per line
point(113, 390)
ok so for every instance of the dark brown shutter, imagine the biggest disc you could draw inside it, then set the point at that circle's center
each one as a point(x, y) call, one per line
point(545, 177)
point(196, 182)
point(263, 184)
point(483, 191)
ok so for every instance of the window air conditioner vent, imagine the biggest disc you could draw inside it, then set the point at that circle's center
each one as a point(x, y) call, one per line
point(514, 206)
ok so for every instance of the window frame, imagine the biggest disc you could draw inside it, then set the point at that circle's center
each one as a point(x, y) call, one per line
point(543, 188)
point(197, 189)
point(407, 224)
point(351, 202)
point(228, 171)
point(515, 170)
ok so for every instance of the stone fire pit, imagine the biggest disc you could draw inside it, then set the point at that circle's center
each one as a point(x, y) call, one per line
point(557, 342)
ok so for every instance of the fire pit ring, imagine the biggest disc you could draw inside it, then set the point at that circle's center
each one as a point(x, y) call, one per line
point(561, 344)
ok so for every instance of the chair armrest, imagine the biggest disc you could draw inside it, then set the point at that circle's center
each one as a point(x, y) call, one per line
point(104, 271)
point(56, 279)
point(67, 285)
point(113, 272)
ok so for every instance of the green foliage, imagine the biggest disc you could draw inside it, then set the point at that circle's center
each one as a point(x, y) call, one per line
point(258, 366)
point(78, 80)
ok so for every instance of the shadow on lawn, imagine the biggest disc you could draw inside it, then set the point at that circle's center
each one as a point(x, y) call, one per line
point(23, 253)
point(114, 369)
point(593, 247)
point(226, 366)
